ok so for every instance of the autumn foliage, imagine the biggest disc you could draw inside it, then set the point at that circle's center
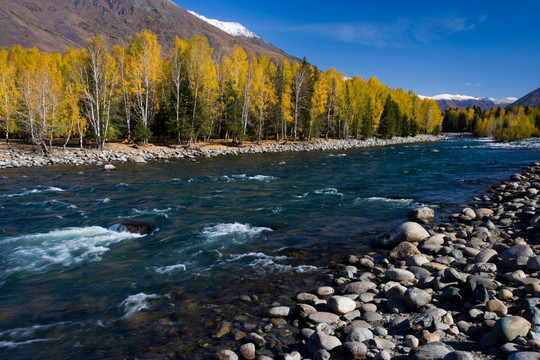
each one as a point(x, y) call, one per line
point(192, 94)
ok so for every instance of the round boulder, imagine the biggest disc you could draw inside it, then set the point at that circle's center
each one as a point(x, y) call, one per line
point(517, 255)
point(409, 231)
point(358, 288)
point(226, 355)
point(341, 304)
point(422, 215)
point(509, 328)
point(323, 317)
point(247, 351)
point(359, 334)
point(320, 340)
point(279, 312)
point(395, 274)
point(524, 355)
point(354, 350)
point(431, 351)
point(416, 298)
point(402, 251)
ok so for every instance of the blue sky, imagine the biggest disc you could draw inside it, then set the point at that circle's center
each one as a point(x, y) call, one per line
point(478, 48)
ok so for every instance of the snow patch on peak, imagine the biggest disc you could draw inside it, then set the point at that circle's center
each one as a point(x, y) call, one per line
point(505, 101)
point(457, 97)
point(231, 28)
point(454, 97)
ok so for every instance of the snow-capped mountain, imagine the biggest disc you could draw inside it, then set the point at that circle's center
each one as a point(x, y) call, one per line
point(447, 101)
point(231, 28)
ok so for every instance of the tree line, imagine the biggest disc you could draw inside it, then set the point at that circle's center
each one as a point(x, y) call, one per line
point(510, 124)
point(189, 95)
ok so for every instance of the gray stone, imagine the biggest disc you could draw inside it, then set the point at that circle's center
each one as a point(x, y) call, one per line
point(411, 341)
point(481, 213)
point(459, 355)
point(453, 275)
point(468, 212)
point(372, 316)
point(320, 340)
point(508, 328)
point(423, 215)
point(416, 298)
point(419, 272)
point(109, 167)
point(304, 310)
point(396, 305)
point(137, 159)
point(354, 350)
point(359, 287)
point(535, 221)
point(486, 255)
point(247, 351)
point(341, 304)
point(380, 331)
point(509, 348)
point(378, 343)
point(325, 291)
point(306, 333)
point(481, 267)
point(427, 319)
point(402, 251)
point(359, 334)
point(322, 355)
point(409, 231)
point(394, 289)
point(416, 260)
point(257, 339)
point(431, 351)
point(517, 255)
point(323, 317)
point(525, 355)
point(295, 355)
point(398, 323)
point(534, 263)
point(383, 355)
point(306, 298)
point(226, 355)
point(279, 312)
point(395, 274)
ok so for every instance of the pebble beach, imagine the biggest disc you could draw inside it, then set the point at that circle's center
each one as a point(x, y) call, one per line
point(468, 288)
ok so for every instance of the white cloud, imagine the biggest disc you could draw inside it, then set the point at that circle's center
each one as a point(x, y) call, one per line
point(402, 31)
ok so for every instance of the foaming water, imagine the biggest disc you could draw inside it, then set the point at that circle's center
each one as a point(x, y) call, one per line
point(235, 232)
point(221, 227)
point(135, 303)
point(37, 190)
point(64, 247)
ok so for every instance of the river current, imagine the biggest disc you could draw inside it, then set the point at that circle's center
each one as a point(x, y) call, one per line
point(263, 226)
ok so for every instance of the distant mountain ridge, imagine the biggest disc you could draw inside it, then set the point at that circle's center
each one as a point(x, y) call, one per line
point(55, 25)
point(532, 99)
point(448, 101)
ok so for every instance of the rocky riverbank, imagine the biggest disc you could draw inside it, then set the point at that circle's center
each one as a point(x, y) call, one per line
point(465, 289)
point(15, 158)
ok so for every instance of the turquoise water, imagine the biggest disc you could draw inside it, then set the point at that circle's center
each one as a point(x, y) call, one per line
point(222, 227)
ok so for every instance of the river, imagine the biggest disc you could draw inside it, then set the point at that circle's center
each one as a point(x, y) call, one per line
point(262, 226)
